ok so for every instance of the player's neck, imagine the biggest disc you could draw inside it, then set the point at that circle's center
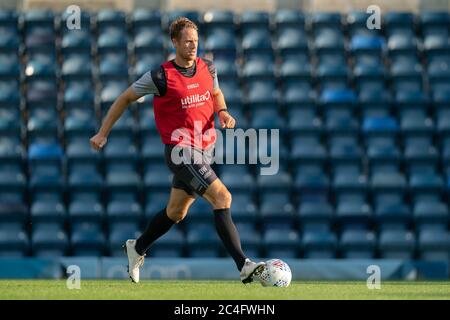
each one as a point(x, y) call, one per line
point(183, 62)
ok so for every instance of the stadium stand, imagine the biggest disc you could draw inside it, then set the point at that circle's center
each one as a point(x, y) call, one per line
point(363, 118)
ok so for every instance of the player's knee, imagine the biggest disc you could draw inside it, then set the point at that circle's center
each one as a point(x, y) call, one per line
point(222, 199)
point(176, 214)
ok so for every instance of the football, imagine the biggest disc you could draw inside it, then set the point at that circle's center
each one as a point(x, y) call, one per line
point(276, 273)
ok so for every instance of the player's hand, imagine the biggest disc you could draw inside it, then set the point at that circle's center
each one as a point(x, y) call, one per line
point(98, 141)
point(226, 120)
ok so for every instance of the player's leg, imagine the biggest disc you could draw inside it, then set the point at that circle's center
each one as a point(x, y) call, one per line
point(177, 208)
point(220, 198)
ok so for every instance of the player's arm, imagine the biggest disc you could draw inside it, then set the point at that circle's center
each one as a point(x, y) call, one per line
point(114, 113)
point(152, 82)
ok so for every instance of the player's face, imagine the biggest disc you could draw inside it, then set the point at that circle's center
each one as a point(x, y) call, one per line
point(186, 45)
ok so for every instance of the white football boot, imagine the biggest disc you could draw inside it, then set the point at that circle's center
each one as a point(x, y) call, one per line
point(251, 269)
point(135, 261)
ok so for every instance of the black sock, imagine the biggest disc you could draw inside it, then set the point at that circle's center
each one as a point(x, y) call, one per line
point(230, 237)
point(158, 226)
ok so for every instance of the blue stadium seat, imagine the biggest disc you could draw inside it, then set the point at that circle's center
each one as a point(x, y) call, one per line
point(277, 212)
point(80, 150)
point(243, 209)
point(392, 216)
point(218, 18)
point(388, 184)
point(227, 69)
point(380, 126)
point(397, 21)
point(40, 39)
point(9, 41)
point(281, 243)
point(430, 215)
point(157, 177)
point(319, 244)
point(110, 91)
point(121, 148)
point(118, 212)
point(237, 178)
point(45, 153)
point(305, 150)
point(203, 241)
point(9, 18)
point(86, 211)
point(345, 158)
point(48, 212)
point(256, 40)
point(406, 99)
point(406, 76)
point(350, 185)
point(152, 150)
point(148, 41)
point(374, 102)
point(254, 20)
point(434, 245)
point(315, 216)
point(200, 212)
point(142, 18)
point(365, 44)
point(331, 20)
point(222, 42)
point(257, 70)
point(291, 40)
point(41, 92)
point(76, 41)
point(423, 184)
point(280, 182)
point(9, 94)
point(312, 185)
point(261, 93)
point(304, 121)
point(13, 212)
point(421, 158)
point(396, 244)
point(251, 242)
point(170, 245)
point(145, 62)
point(9, 66)
point(332, 76)
point(12, 180)
point(41, 66)
point(357, 244)
point(297, 93)
point(87, 240)
point(329, 40)
point(79, 123)
point(332, 99)
point(291, 70)
point(288, 18)
point(118, 235)
point(111, 18)
point(122, 182)
point(13, 244)
point(49, 243)
point(353, 215)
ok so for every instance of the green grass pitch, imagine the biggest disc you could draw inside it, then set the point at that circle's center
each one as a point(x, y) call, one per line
point(218, 290)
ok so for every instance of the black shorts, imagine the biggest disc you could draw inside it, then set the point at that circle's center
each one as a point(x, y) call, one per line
point(191, 168)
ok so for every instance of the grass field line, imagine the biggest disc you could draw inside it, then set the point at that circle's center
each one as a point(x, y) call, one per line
point(219, 290)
